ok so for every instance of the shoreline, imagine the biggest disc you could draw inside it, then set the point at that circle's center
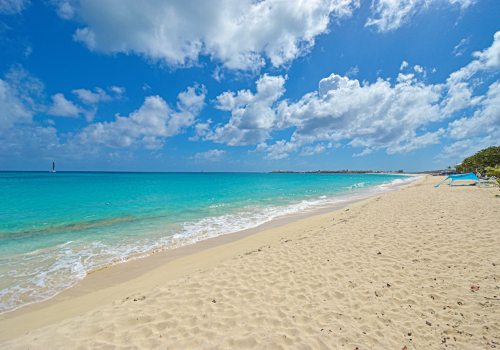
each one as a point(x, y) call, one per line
point(71, 240)
point(105, 280)
point(414, 268)
point(344, 200)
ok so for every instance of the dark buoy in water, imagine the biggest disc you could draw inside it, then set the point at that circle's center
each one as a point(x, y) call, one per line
point(107, 203)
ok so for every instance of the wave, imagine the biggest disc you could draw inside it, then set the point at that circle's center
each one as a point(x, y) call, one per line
point(359, 185)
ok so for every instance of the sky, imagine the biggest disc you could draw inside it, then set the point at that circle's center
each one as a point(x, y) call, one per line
point(247, 85)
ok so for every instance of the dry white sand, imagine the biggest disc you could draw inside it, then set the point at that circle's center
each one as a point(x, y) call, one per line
point(390, 272)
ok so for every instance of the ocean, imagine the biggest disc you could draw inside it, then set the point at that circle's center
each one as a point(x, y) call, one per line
point(57, 227)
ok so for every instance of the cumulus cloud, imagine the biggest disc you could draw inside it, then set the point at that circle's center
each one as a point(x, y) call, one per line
point(20, 98)
point(279, 150)
point(392, 14)
point(12, 107)
point(465, 148)
point(309, 150)
point(61, 107)
point(241, 34)
point(485, 120)
point(29, 141)
point(252, 115)
point(201, 130)
point(403, 65)
point(460, 89)
point(486, 60)
point(149, 125)
point(422, 141)
point(374, 116)
point(213, 155)
point(90, 98)
point(28, 88)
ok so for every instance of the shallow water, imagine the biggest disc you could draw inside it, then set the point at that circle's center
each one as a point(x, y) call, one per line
point(56, 227)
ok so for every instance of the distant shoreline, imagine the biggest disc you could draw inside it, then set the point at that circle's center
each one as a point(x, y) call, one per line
point(337, 172)
point(399, 172)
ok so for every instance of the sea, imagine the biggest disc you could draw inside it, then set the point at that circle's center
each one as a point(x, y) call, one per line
point(55, 228)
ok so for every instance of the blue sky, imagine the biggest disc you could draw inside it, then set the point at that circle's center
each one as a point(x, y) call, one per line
point(247, 85)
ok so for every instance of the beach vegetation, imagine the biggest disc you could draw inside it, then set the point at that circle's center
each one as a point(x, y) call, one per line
point(493, 171)
point(488, 157)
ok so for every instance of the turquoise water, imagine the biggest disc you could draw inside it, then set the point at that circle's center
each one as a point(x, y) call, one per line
point(56, 227)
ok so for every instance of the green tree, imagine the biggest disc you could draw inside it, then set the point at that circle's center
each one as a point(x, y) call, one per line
point(488, 157)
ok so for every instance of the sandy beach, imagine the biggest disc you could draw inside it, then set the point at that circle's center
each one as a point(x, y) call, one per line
point(415, 268)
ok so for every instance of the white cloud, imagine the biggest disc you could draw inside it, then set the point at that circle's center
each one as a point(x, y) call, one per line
point(20, 96)
point(218, 74)
point(373, 116)
point(90, 98)
point(261, 147)
point(460, 48)
point(61, 107)
point(460, 89)
point(65, 8)
point(28, 88)
point(486, 60)
point(352, 72)
point(279, 150)
point(30, 141)
point(214, 155)
point(241, 34)
point(392, 14)
point(465, 148)
point(252, 115)
point(489, 58)
point(149, 125)
point(117, 90)
point(403, 65)
point(405, 77)
point(365, 152)
point(12, 108)
point(310, 151)
point(425, 140)
point(201, 130)
point(12, 6)
point(486, 120)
